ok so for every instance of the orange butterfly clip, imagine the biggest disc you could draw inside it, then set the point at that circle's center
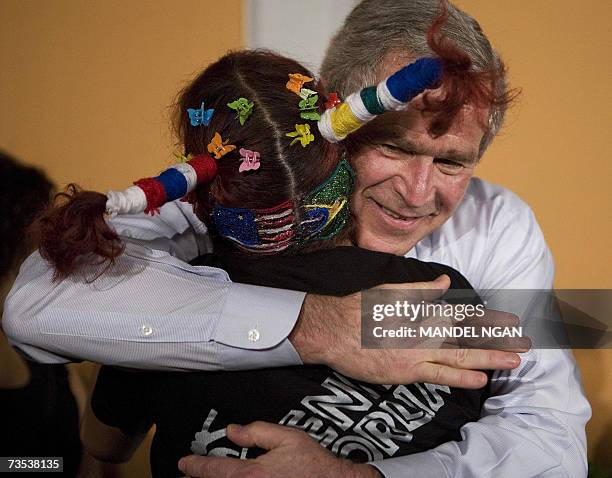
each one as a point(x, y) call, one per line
point(218, 147)
point(296, 81)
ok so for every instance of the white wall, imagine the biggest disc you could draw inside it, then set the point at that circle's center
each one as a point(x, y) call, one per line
point(298, 29)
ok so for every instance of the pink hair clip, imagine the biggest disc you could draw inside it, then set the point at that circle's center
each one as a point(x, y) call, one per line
point(250, 160)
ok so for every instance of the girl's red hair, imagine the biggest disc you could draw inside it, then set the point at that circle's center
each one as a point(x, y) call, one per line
point(461, 83)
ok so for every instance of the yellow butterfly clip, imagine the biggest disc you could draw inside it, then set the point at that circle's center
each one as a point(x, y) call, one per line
point(296, 82)
point(302, 134)
point(181, 158)
point(218, 147)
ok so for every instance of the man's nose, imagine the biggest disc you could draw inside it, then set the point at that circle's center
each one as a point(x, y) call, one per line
point(418, 176)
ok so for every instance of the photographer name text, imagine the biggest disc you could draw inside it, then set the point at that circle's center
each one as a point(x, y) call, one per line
point(451, 332)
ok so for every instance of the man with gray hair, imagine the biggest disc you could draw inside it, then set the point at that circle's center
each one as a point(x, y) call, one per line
point(415, 195)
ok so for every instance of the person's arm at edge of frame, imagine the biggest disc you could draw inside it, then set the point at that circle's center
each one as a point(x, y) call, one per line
point(59, 322)
point(220, 325)
point(108, 443)
point(534, 422)
point(64, 321)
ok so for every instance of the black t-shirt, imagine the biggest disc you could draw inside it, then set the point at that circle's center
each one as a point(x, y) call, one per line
point(355, 420)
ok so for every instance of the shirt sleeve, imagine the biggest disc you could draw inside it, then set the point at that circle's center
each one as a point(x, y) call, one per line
point(176, 230)
point(151, 311)
point(534, 422)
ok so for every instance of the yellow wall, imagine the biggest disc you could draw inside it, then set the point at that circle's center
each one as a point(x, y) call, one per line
point(85, 85)
point(555, 151)
point(84, 88)
point(84, 91)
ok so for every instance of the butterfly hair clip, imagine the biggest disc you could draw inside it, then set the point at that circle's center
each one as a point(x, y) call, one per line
point(182, 158)
point(296, 82)
point(302, 134)
point(200, 116)
point(308, 105)
point(218, 147)
point(244, 108)
point(250, 160)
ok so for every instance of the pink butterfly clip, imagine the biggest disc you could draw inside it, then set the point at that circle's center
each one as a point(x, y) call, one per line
point(250, 160)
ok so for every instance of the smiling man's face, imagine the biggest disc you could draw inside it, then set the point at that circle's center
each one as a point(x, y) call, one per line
point(409, 182)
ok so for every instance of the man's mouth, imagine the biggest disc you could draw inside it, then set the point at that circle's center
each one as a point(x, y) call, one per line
point(394, 215)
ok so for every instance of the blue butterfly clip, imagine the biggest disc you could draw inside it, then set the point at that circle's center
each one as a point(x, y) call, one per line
point(200, 116)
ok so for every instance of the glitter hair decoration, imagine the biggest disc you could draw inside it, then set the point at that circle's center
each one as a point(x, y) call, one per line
point(256, 230)
point(274, 229)
point(391, 94)
point(327, 205)
point(149, 194)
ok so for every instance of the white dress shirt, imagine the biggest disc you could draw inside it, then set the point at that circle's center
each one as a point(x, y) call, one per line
point(534, 422)
point(156, 311)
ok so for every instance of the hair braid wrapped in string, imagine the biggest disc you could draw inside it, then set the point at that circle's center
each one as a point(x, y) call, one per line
point(276, 195)
point(391, 94)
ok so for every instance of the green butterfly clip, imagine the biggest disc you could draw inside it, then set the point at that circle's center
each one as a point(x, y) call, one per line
point(308, 105)
point(305, 93)
point(244, 108)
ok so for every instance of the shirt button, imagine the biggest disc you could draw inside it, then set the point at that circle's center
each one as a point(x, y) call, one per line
point(253, 335)
point(146, 330)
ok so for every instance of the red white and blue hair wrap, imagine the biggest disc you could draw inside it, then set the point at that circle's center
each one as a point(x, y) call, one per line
point(149, 194)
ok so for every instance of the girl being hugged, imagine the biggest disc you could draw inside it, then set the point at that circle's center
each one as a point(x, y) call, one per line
point(265, 169)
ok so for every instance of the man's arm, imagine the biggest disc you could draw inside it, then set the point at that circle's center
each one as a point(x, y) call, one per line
point(150, 311)
point(534, 422)
point(153, 311)
point(532, 425)
point(336, 342)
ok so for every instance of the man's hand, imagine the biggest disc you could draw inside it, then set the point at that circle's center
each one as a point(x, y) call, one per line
point(291, 453)
point(328, 332)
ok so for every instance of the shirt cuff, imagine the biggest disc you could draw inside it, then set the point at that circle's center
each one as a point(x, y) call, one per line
point(419, 464)
point(254, 325)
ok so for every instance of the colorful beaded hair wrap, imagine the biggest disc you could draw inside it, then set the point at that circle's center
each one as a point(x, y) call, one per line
point(327, 206)
point(391, 94)
point(325, 211)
